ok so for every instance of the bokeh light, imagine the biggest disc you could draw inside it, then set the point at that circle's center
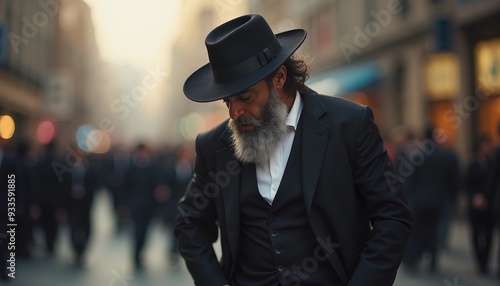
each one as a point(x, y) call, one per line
point(87, 138)
point(104, 143)
point(191, 125)
point(7, 127)
point(46, 131)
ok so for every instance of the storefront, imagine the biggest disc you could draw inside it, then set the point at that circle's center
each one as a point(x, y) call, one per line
point(356, 82)
point(442, 76)
point(487, 83)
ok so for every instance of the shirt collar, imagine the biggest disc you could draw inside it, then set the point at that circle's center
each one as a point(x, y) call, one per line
point(293, 117)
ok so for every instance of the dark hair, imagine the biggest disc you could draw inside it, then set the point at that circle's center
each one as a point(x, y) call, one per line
point(297, 74)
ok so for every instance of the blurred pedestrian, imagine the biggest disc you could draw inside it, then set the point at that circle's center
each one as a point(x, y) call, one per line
point(494, 190)
point(400, 138)
point(117, 164)
point(433, 174)
point(141, 180)
point(49, 200)
point(178, 176)
point(29, 181)
point(84, 183)
point(481, 213)
point(293, 180)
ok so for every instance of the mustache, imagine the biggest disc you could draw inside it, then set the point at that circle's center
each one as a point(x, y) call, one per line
point(248, 120)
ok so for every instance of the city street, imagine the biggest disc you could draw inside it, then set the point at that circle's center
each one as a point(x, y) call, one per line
point(109, 265)
point(118, 108)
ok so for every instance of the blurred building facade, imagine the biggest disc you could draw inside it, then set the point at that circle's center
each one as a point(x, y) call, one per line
point(48, 57)
point(413, 62)
point(198, 18)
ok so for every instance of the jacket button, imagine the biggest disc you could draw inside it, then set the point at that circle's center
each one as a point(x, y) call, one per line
point(281, 268)
point(278, 251)
point(274, 234)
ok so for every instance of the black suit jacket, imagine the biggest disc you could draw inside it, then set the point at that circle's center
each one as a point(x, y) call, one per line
point(349, 202)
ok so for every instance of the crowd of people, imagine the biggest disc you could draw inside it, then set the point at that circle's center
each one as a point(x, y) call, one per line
point(435, 181)
point(145, 184)
point(56, 187)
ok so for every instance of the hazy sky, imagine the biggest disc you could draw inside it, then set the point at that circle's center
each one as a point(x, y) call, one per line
point(135, 31)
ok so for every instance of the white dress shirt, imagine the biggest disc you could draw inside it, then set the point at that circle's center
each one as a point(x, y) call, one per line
point(270, 173)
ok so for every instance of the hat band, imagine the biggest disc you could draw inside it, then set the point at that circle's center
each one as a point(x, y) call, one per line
point(247, 66)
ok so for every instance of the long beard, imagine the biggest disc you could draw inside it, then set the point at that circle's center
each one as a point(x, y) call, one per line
point(257, 146)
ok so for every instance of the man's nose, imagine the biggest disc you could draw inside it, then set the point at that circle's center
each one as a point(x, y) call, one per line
point(235, 109)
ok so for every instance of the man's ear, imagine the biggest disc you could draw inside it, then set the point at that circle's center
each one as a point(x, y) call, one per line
point(279, 78)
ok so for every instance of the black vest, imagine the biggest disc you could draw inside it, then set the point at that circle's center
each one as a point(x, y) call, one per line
point(277, 244)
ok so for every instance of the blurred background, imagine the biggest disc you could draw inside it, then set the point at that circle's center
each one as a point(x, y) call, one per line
point(92, 111)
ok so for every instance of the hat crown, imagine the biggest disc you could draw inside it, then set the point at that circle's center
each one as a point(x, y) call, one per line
point(238, 40)
point(242, 52)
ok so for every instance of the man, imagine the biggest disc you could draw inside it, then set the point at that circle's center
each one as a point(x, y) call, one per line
point(494, 188)
point(481, 212)
point(141, 180)
point(81, 189)
point(432, 183)
point(295, 182)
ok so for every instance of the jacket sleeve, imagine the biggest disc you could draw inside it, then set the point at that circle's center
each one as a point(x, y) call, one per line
point(196, 228)
point(380, 188)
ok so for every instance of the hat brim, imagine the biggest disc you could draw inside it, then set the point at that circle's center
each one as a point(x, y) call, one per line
point(201, 86)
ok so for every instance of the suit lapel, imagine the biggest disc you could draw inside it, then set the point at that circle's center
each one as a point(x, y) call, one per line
point(315, 139)
point(230, 194)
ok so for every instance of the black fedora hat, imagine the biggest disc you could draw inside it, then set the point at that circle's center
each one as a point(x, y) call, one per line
point(242, 52)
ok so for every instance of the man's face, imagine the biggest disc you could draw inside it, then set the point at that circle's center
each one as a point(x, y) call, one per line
point(257, 122)
point(248, 107)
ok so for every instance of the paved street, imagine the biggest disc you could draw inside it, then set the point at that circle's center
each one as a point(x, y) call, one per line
point(109, 265)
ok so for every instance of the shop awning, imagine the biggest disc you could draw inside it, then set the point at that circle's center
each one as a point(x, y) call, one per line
point(343, 80)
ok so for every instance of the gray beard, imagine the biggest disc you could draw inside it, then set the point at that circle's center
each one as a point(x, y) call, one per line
point(257, 146)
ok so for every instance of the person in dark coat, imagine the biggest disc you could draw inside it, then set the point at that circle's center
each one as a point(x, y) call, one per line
point(494, 189)
point(481, 210)
point(295, 182)
point(178, 175)
point(117, 164)
point(30, 182)
point(433, 174)
point(141, 181)
point(84, 182)
point(50, 198)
